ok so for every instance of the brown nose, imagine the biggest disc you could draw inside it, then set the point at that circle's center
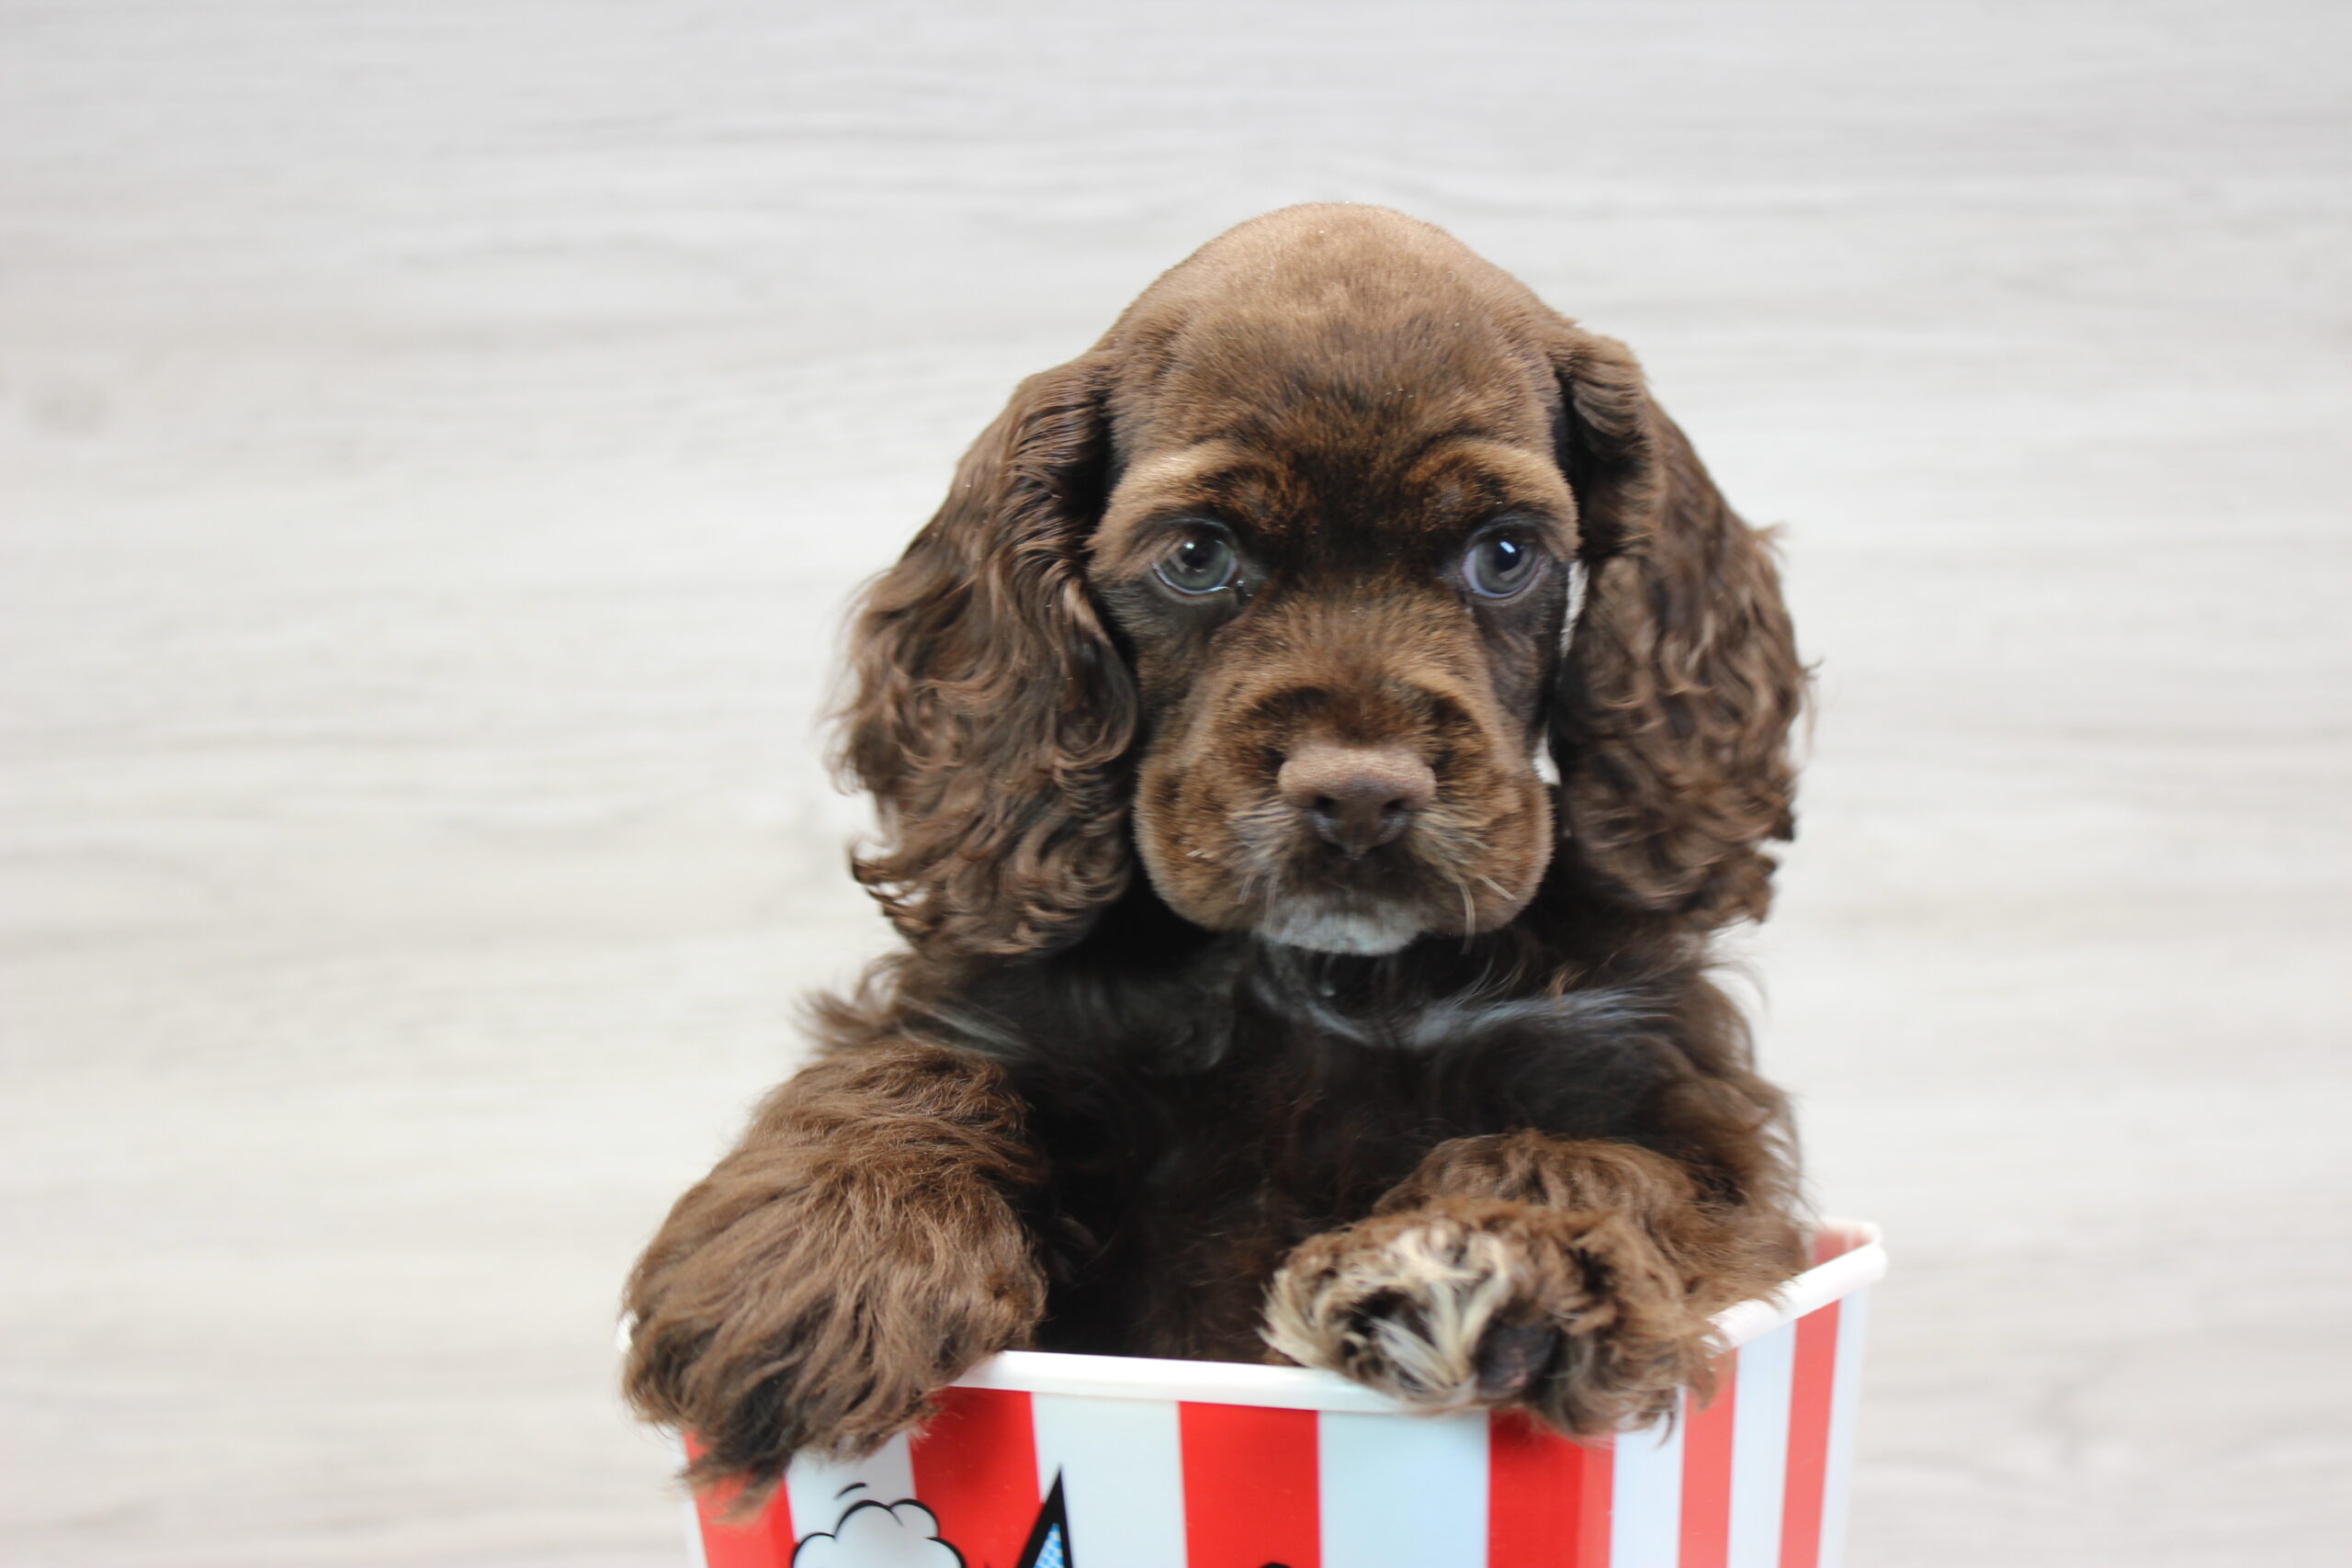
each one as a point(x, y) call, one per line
point(1357, 797)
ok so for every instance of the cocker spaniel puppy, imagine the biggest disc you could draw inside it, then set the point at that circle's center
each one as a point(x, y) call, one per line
point(1260, 993)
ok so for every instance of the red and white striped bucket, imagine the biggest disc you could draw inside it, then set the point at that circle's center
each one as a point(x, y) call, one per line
point(1041, 1460)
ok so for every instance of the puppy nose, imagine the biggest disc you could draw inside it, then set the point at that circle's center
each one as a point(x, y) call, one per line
point(1359, 798)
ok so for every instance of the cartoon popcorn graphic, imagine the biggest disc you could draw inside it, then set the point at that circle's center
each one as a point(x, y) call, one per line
point(871, 1533)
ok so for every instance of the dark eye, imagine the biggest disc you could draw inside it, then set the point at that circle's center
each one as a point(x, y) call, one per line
point(1200, 562)
point(1499, 565)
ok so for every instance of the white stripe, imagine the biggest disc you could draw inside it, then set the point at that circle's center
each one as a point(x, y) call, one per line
point(815, 1486)
point(1122, 1464)
point(1402, 1489)
point(1645, 1497)
point(1845, 1402)
point(696, 1558)
point(1759, 1450)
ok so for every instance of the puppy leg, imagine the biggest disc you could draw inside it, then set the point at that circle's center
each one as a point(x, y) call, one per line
point(859, 1249)
point(1572, 1280)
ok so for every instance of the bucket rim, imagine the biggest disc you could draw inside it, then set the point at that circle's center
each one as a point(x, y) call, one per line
point(1861, 1263)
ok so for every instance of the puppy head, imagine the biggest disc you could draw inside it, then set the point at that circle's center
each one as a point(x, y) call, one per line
point(1281, 585)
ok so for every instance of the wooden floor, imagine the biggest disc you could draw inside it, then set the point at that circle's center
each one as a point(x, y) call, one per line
point(435, 440)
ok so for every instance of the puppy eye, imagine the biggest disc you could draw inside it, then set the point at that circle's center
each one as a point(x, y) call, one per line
point(1501, 565)
point(1200, 562)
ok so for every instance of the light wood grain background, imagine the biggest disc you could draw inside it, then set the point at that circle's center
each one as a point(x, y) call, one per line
point(436, 440)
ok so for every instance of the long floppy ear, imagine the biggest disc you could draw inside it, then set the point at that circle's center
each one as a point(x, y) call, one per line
point(990, 714)
point(1680, 681)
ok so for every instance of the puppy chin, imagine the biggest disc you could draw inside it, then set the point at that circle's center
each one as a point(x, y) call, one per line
point(1325, 926)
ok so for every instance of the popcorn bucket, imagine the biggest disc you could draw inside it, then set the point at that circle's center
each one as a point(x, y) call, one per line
point(1043, 1460)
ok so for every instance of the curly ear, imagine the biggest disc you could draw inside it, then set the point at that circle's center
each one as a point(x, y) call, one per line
point(1670, 729)
point(990, 714)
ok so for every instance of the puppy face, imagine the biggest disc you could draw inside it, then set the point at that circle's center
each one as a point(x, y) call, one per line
point(1340, 554)
point(1269, 590)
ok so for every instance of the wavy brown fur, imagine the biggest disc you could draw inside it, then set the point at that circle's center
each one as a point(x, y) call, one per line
point(860, 1248)
point(1457, 1113)
point(993, 718)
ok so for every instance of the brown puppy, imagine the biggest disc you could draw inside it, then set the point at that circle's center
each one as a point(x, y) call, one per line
point(1396, 1057)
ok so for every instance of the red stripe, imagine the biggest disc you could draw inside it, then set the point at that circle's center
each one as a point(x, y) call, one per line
point(1815, 1376)
point(1251, 1487)
point(1706, 1470)
point(1592, 1512)
point(764, 1540)
point(975, 1470)
point(1547, 1498)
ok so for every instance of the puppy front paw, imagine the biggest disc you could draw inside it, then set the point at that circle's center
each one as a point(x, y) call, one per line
point(1462, 1304)
point(820, 1316)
